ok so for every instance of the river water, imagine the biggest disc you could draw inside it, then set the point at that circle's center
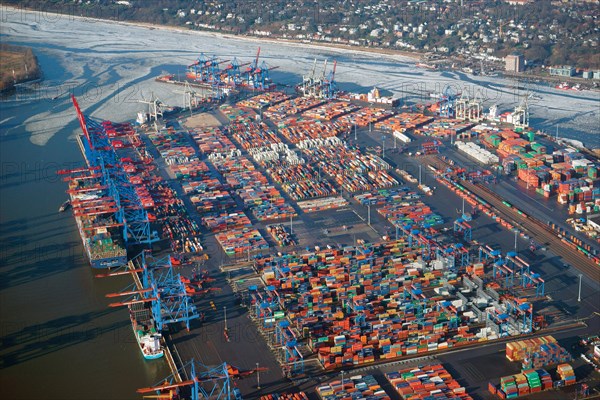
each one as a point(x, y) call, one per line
point(59, 340)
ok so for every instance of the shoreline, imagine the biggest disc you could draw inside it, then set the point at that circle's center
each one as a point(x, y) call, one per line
point(22, 62)
point(408, 56)
point(408, 76)
point(394, 54)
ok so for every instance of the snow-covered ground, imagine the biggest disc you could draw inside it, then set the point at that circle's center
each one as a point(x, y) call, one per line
point(109, 66)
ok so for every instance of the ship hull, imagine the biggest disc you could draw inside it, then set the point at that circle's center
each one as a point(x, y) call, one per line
point(95, 261)
point(98, 263)
point(152, 356)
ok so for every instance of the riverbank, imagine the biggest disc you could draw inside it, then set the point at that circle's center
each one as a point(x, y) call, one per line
point(400, 55)
point(105, 41)
point(19, 65)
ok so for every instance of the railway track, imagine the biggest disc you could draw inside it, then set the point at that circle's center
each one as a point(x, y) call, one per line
point(536, 229)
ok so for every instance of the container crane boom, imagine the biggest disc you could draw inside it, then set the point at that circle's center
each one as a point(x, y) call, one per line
point(129, 271)
point(257, 55)
point(324, 70)
point(167, 386)
point(127, 303)
point(111, 295)
point(333, 73)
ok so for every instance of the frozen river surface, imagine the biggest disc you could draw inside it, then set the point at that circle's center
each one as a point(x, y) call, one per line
point(109, 66)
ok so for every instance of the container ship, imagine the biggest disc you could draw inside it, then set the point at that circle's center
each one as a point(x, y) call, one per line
point(99, 230)
point(149, 340)
point(207, 72)
point(108, 209)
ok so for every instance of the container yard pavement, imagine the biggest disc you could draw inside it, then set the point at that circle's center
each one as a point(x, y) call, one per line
point(537, 231)
point(246, 347)
point(207, 343)
point(476, 367)
point(202, 120)
point(517, 193)
point(561, 283)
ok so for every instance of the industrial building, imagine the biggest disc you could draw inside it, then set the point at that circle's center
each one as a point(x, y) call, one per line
point(563, 70)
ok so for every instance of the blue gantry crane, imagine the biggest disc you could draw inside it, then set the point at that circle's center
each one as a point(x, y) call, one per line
point(156, 282)
point(489, 253)
point(100, 151)
point(197, 70)
point(528, 277)
point(206, 70)
point(293, 363)
point(234, 72)
point(264, 306)
point(447, 104)
point(461, 227)
point(523, 312)
point(329, 87)
point(500, 320)
point(196, 381)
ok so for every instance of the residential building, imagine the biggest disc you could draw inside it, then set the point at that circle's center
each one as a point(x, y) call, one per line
point(514, 63)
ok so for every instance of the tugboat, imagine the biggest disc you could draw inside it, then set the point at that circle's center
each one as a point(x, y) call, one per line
point(63, 207)
point(148, 339)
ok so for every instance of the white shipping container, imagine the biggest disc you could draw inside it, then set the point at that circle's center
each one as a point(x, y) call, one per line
point(402, 137)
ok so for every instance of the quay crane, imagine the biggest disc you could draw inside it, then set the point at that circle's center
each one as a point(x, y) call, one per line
point(100, 142)
point(156, 282)
point(205, 69)
point(257, 76)
point(233, 72)
point(447, 104)
point(203, 382)
point(321, 88)
point(328, 87)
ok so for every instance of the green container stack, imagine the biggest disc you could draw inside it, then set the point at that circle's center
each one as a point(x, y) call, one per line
point(533, 379)
point(509, 386)
point(494, 140)
point(538, 148)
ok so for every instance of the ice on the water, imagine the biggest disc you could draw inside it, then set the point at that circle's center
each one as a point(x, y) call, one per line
point(118, 63)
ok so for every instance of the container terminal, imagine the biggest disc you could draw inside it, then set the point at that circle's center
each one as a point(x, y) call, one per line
point(320, 244)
